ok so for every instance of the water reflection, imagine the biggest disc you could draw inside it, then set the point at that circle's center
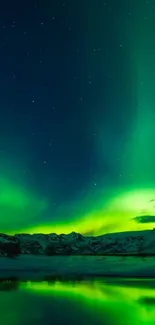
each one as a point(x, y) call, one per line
point(86, 301)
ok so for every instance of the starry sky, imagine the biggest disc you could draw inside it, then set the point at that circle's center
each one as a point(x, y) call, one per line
point(77, 98)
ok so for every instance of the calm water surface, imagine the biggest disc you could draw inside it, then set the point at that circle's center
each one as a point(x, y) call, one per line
point(77, 302)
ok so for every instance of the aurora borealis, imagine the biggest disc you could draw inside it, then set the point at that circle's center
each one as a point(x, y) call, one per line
point(77, 116)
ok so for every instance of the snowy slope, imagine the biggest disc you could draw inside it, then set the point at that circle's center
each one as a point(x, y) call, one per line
point(127, 243)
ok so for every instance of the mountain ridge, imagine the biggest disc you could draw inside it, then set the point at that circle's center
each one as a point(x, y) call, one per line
point(120, 243)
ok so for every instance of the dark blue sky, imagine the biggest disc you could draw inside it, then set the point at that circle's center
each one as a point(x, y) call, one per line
point(67, 96)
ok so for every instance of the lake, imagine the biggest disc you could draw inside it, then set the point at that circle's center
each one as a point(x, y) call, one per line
point(90, 301)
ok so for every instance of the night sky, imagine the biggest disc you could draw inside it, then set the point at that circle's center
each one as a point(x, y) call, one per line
point(77, 116)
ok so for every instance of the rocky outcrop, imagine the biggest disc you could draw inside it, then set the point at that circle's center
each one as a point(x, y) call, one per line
point(126, 243)
point(9, 245)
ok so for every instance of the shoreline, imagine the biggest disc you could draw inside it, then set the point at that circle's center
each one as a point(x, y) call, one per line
point(38, 267)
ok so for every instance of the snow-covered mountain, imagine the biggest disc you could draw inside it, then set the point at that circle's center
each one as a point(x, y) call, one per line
point(126, 243)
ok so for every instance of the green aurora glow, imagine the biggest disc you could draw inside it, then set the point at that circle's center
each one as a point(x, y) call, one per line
point(115, 214)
